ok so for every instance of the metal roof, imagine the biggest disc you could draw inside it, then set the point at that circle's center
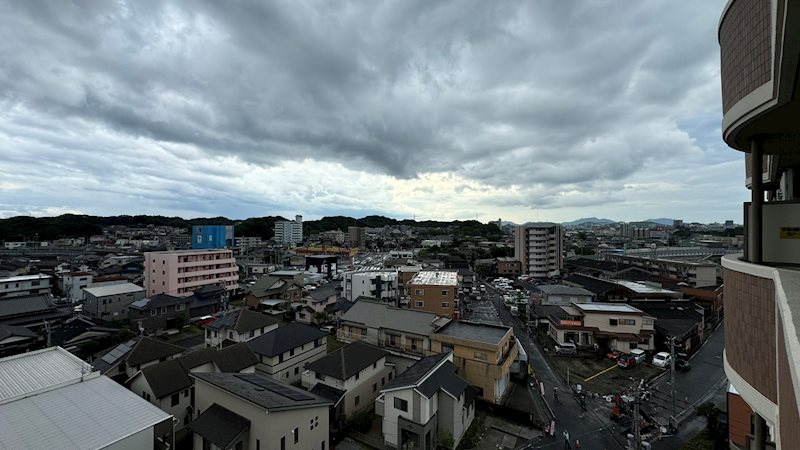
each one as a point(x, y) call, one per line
point(27, 373)
point(24, 278)
point(608, 307)
point(487, 333)
point(94, 413)
point(113, 289)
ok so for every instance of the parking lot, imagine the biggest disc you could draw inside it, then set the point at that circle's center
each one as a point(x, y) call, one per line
point(603, 375)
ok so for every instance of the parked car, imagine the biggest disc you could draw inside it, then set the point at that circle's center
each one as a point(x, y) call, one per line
point(626, 361)
point(682, 365)
point(662, 359)
point(328, 329)
point(566, 349)
point(614, 354)
point(639, 355)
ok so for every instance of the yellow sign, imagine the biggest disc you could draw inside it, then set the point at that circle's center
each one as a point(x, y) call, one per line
point(790, 232)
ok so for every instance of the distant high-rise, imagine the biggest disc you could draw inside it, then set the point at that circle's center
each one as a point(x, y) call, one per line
point(212, 236)
point(677, 223)
point(356, 237)
point(625, 230)
point(289, 231)
point(539, 247)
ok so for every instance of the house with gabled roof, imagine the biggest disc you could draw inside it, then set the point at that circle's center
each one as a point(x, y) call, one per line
point(284, 352)
point(429, 399)
point(251, 411)
point(169, 386)
point(273, 288)
point(238, 326)
point(358, 370)
point(125, 359)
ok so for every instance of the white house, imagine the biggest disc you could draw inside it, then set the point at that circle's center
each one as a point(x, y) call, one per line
point(284, 352)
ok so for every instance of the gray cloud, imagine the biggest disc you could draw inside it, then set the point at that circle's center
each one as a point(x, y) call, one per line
point(548, 95)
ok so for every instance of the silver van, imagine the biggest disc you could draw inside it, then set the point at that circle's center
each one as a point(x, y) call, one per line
point(566, 349)
point(639, 355)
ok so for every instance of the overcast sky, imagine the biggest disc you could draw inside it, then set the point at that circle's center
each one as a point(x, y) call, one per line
point(545, 110)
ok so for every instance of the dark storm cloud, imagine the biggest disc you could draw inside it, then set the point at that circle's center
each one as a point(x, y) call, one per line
point(548, 94)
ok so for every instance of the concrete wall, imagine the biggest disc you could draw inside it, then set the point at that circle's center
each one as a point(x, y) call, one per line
point(110, 307)
point(440, 300)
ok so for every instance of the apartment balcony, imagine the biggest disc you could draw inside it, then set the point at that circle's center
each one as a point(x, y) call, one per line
point(348, 337)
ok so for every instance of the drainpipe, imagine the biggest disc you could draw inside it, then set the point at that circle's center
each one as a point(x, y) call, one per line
point(757, 203)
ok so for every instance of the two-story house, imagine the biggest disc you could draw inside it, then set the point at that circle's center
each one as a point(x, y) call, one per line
point(427, 401)
point(483, 352)
point(357, 370)
point(405, 333)
point(316, 304)
point(274, 288)
point(158, 312)
point(124, 360)
point(238, 326)
point(169, 386)
point(251, 411)
point(615, 326)
point(285, 351)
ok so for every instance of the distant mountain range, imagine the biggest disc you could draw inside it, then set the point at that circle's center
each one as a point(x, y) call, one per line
point(588, 220)
point(596, 221)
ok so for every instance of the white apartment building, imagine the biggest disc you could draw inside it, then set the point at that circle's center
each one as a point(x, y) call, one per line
point(289, 231)
point(540, 247)
point(24, 285)
point(375, 282)
point(181, 272)
point(73, 283)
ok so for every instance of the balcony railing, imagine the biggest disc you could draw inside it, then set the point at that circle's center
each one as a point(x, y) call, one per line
point(351, 337)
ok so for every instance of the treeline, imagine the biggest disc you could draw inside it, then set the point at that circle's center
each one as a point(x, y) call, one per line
point(71, 225)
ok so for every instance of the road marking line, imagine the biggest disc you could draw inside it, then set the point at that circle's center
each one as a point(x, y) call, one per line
point(601, 372)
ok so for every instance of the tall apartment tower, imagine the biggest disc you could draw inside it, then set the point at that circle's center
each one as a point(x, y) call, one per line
point(625, 230)
point(760, 71)
point(181, 272)
point(289, 231)
point(540, 249)
point(356, 237)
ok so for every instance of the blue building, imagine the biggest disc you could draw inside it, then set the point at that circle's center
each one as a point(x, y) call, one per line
point(212, 236)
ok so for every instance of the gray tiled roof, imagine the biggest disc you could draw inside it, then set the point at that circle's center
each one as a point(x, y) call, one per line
point(325, 391)
point(348, 360)
point(149, 349)
point(242, 321)
point(220, 426)
point(167, 378)
point(416, 372)
point(263, 391)
point(443, 378)
point(382, 315)
point(285, 338)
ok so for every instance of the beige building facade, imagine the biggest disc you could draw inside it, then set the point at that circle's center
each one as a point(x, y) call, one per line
point(181, 272)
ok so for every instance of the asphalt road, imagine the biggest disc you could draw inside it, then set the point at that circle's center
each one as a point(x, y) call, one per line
point(702, 383)
point(591, 427)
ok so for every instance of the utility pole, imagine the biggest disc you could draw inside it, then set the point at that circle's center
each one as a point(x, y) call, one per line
point(672, 372)
point(637, 432)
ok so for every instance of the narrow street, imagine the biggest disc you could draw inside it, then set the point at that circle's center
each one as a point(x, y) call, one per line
point(593, 427)
point(593, 430)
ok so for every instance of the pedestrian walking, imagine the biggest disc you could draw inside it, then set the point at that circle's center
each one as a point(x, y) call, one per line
point(567, 444)
point(555, 394)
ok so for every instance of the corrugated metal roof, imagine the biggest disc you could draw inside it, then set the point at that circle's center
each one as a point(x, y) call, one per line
point(28, 373)
point(89, 415)
point(113, 289)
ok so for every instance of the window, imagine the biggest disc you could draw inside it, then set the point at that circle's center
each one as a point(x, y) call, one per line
point(296, 370)
point(296, 433)
point(180, 307)
point(358, 375)
point(612, 322)
point(627, 321)
point(358, 399)
point(445, 304)
point(383, 381)
point(280, 358)
point(419, 291)
point(186, 419)
point(444, 293)
point(374, 387)
point(291, 352)
point(375, 365)
point(258, 444)
point(322, 445)
point(419, 304)
point(176, 398)
point(230, 335)
point(390, 376)
point(400, 404)
point(480, 356)
point(648, 322)
point(283, 442)
point(153, 312)
point(252, 333)
point(287, 374)
point(163, 310)
point(185, 393)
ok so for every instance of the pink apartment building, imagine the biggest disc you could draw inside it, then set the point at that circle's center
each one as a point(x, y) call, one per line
point(180, 272)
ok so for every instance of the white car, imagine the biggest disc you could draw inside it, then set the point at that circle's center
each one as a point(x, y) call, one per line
point(662, 359)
